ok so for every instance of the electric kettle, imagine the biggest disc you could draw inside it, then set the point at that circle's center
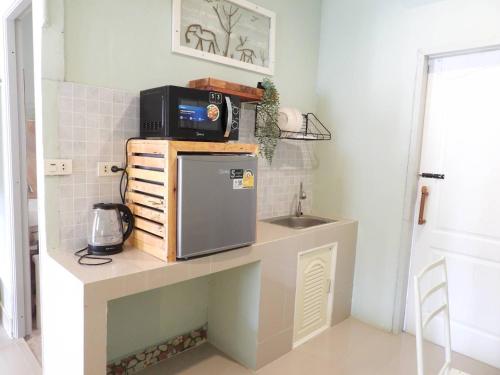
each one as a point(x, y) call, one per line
point(106, 228)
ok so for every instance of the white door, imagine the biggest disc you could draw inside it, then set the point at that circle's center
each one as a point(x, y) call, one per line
point(462, 213)
point(314, 293)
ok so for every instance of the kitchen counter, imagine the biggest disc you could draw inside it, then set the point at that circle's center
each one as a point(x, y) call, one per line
point(77, 296)
point(132, 261)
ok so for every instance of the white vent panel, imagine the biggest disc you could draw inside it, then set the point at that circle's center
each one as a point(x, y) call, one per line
point(313, 285)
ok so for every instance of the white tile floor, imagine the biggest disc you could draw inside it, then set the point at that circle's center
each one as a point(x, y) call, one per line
point(16, 357)
point(350, 348)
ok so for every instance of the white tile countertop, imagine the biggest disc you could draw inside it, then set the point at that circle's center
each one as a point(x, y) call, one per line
point(132, 261)
point(75, 297)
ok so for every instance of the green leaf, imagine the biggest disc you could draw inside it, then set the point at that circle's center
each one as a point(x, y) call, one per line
point(267, 130)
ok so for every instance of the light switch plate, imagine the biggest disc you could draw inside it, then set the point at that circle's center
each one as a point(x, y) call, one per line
point(104, 168)
point(58, 167)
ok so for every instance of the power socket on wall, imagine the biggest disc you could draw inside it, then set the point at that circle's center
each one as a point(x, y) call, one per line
point(104, 168)
point(58, 167)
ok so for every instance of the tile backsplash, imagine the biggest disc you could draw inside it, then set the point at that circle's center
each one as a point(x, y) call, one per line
point(94, 124)
point(278, 183)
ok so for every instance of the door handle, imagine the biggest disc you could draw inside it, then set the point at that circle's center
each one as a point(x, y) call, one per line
point(437, 176)
point(229, 117)
point(423, 200)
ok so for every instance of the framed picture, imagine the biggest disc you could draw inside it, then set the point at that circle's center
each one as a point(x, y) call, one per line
point(232, 32)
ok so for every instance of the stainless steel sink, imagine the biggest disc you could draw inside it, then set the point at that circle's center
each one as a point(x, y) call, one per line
point(299, 222)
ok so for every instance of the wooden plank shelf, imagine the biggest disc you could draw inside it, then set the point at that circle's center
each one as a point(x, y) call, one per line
point(152, 189)
point(246, 93)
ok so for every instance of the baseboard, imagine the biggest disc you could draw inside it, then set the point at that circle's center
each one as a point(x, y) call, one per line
point(152, 355)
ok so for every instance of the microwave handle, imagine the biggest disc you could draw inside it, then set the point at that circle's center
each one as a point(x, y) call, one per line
point(229, 117)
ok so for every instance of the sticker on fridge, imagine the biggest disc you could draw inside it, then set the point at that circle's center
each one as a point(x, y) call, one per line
point(247, 180)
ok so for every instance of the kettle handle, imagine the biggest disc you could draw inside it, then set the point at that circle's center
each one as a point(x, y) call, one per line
point(127, 217)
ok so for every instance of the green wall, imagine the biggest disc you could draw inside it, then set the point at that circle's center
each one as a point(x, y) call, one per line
point(228, 301)
point(126, 44)
point(148, 318)
point(366, 82)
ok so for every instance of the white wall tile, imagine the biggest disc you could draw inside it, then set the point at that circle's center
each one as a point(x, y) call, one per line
point(94, 124)
point(105, 121)
point(78, 133)
point(118, 96)
point(92, 106)
point(65, 133)
point(66, 89)
point(79, 148)
point(79, 105)
point(92, 93)
point(79, 91)
point(79, 190)
point(65, 119)
point(92, 120)
point(105, 95)
point(92, 190)
point(66, 149)
point(79, 120)
point(105, 108)
point(86, 137)
point(91, 135)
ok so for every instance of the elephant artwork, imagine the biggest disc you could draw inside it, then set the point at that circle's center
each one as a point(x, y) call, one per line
point(247, 54)
point(232, 32)
point(202, 37)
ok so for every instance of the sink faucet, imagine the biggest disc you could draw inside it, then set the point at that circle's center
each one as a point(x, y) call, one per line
point(302, 196)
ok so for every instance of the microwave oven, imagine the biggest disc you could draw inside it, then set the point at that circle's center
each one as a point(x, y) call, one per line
point(183, 113)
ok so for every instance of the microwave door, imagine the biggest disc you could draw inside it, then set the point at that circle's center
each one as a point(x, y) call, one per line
point(196, 115)
point(214, 212)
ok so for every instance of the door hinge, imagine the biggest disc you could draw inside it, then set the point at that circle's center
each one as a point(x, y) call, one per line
point(328, 286)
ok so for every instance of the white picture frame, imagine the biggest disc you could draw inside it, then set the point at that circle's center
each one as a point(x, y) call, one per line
point(266, 63)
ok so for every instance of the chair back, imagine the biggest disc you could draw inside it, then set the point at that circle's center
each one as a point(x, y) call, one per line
point(443, 309)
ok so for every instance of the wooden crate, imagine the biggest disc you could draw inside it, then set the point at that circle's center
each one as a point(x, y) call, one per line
point(152, 188)
point(246, 93)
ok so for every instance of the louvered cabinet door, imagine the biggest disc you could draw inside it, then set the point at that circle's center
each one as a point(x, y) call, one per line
point(312, 296)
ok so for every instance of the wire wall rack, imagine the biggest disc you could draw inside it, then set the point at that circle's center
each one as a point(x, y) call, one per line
point(312, 129)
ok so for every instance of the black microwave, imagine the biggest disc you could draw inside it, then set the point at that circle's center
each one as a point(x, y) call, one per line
point(183, 113)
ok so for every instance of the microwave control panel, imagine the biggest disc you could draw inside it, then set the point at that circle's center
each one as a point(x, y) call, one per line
point(215, 98)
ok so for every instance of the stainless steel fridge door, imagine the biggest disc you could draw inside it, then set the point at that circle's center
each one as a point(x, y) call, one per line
point(216, 203)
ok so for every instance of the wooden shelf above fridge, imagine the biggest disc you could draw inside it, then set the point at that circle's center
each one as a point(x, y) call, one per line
point(246, 93)
point(152, 189)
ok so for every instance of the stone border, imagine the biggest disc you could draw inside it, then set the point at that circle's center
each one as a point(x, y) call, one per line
point(152, 355)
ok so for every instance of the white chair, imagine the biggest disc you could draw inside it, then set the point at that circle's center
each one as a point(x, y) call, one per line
point(442, 309)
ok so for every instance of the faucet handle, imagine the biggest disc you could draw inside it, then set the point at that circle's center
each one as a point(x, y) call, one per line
point(302, 193)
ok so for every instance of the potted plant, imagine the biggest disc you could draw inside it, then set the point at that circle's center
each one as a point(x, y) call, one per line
point(267, 130)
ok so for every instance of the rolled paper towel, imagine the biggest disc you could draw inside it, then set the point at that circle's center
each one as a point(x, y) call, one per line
point(290, 119)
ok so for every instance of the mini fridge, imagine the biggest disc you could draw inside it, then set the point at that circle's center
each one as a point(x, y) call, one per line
point(216, 203)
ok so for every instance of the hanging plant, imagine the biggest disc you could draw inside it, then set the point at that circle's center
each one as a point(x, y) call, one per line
point(267, 131)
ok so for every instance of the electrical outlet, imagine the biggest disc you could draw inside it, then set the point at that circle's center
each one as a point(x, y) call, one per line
point(104, 168)
point(58, 167)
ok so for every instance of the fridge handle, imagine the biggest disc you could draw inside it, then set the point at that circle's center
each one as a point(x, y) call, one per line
point(229, 117)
